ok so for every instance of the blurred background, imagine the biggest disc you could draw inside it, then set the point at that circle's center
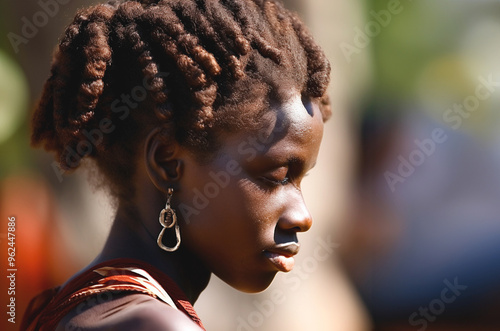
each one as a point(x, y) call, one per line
point(405, 196)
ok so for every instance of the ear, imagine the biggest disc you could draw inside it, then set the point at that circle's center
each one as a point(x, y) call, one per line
point(163, 160)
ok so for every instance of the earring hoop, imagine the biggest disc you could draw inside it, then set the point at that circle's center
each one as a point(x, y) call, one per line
point(168, 219)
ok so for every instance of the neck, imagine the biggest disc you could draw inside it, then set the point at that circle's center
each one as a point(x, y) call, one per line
point(129, 238)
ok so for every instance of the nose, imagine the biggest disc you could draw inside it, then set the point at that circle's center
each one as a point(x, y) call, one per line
point(296, 216)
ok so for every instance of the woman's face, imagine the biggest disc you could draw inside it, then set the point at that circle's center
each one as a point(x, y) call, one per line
point(241, 212)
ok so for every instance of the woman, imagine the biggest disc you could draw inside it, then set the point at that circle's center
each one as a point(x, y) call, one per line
point(206, 114)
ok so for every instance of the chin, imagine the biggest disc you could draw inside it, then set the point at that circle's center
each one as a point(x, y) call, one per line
point(252, 284)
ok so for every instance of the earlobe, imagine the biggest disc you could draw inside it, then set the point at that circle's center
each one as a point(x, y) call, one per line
point(163, 162)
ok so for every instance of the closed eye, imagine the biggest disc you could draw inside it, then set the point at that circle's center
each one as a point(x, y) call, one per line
point(276, 177)
point(276, 182)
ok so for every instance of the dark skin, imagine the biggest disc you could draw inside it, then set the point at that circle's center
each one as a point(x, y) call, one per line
point(258, 206)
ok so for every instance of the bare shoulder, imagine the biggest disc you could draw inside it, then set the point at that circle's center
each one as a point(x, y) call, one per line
point(126, 312)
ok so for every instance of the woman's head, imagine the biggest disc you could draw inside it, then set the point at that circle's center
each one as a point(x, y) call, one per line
point(193, 69)
point(243, 210)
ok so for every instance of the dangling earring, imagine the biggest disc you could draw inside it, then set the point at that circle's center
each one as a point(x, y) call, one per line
point(168, 219)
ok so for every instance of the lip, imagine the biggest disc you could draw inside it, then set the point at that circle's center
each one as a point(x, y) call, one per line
point(281, 255)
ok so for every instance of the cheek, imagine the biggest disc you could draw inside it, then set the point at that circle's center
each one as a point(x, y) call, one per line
point(221, 214)
point(235, 226)
point(258, 202)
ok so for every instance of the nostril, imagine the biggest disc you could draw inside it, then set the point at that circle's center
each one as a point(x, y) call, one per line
point(296, 218)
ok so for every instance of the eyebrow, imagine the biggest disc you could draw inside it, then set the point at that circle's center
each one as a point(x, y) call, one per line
point(298, 163)
point(293, 160)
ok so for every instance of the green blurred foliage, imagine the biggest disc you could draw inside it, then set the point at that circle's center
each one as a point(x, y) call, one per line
point(412, 39)
point(14, 106)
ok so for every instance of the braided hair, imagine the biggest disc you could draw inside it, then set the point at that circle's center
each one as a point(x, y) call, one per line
point(193, 68)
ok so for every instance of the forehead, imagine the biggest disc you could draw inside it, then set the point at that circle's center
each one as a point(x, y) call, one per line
point(290, 128)
point(292, 119)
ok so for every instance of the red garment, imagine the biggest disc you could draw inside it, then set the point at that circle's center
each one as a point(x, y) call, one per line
point(46, 310)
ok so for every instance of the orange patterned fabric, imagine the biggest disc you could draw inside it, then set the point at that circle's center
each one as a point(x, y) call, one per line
point(47, 309)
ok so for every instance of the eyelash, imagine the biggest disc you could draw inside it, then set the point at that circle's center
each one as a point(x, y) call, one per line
point(272, 183)
point(276, 183)
point(283, 182)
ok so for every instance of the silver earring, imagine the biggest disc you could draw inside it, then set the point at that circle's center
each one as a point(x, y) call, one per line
point(168, 219)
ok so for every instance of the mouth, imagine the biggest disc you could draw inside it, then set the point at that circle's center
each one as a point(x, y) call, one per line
point(281, 255)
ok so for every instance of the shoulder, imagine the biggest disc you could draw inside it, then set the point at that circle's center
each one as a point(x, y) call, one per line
point(126, 312)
